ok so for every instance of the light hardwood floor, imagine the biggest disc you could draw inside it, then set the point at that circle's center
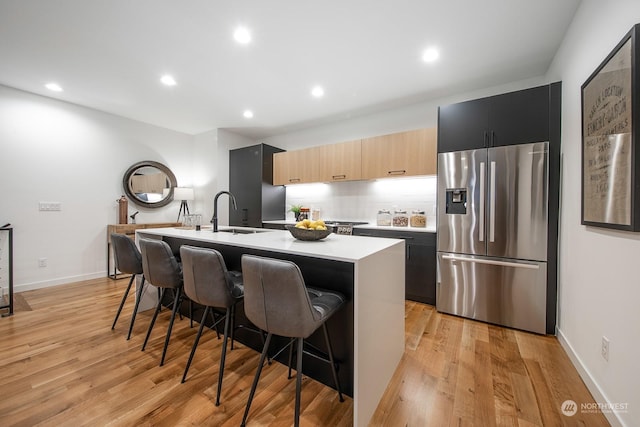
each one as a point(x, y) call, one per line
point(61, 364)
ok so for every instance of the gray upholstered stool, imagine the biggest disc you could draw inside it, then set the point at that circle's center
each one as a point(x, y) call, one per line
point(207, 282)
point(129, 261)
point(277, 301)
point(162, 270)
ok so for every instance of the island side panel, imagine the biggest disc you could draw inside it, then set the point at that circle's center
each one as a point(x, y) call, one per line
point(379, 312)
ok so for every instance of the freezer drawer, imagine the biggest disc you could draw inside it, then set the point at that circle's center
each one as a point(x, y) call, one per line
point(496, 290)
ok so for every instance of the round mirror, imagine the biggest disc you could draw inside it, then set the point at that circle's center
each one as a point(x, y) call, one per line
point(149, 184)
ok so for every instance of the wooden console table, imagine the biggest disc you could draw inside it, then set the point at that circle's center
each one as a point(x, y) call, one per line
point(129, 230)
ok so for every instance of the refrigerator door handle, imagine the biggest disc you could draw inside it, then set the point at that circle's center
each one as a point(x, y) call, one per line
point(482, 197)
point(492, 203)
point(492, 262)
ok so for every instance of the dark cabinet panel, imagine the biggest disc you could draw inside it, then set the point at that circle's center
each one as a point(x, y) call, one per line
point(512, 118)
point(420, 283)
point(520, 117)
point(463, 126)
point(420, 261)
point(250, 178)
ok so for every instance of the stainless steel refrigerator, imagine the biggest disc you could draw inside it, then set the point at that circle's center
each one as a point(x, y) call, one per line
point(492, 235)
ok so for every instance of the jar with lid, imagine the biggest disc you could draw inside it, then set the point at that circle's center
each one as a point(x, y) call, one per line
point(418, 219)
point(304, 214)
point(384, 218)
point(400, 218)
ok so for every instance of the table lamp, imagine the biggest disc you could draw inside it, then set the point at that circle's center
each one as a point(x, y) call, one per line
point(184, 194)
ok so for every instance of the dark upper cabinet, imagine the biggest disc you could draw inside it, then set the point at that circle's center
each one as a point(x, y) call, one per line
point(519, 117)
point(512, 118)
point(250, 181)
point(463, 126)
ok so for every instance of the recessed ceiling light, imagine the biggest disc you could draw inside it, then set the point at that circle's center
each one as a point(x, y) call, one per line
point(54, 87)
point(242, 35)
point(317, 91)
point(430, 55)
point(247, 114)
point(168, 80)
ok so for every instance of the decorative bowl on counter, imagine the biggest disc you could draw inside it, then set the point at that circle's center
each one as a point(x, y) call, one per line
point(307, 233)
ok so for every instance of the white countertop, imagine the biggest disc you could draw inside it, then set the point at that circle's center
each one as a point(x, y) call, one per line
point(335, 247)
point(430, 228)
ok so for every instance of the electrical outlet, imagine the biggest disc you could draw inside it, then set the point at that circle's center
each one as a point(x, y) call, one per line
point(42, 262)
point(605, 348)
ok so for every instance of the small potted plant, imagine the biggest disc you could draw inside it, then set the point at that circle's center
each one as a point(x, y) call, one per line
point(296, 211)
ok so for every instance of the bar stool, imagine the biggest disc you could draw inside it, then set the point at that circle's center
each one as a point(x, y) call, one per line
point(129, 261)
point(277, 301)
point(161, 269)
point(207, 282)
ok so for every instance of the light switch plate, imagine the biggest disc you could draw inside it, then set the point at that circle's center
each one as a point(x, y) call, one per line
point(50, 206)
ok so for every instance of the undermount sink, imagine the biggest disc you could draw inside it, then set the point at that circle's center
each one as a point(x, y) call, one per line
point(241, 231)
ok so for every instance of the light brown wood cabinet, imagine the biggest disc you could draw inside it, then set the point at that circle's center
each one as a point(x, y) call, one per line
point(297, 166)
point(408, 153)
point(341, 162)
point(400, 154)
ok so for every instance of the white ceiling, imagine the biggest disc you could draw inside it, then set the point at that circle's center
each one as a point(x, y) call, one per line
point(110, 55)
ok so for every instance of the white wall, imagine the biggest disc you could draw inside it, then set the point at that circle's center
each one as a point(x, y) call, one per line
point(599, 282)
point(56, 151)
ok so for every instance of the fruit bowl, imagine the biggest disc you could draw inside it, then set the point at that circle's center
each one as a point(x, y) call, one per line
point(308, 234)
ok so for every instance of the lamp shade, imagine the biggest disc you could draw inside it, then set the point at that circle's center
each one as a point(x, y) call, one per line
point(183, 193)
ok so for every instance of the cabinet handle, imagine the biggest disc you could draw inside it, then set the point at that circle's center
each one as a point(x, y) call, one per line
point(397, 172)
point(294, 179)
point(339, 176)
point(486, 139)
point(493, 139)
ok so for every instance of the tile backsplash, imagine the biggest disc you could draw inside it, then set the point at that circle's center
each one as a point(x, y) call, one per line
point(361, 200)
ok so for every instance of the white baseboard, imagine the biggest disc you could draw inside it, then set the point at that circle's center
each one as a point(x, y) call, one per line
point(589, 381)
point(59, 281)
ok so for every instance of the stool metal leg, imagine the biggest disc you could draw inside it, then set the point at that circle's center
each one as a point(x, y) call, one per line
point(153, 319)
point(233, 323)
point(290, 356)
point(195, 343)
point(298, 380)
point(333, 365)
point(178, 293)
point(124, 298)
point(135, 309)
point(227, 325)
point(256, 378)
point(215, 322)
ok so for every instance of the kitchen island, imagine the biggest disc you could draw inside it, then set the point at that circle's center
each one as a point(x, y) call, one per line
point(367, 334)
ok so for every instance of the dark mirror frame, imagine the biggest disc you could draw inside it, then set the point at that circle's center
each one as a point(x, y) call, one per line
point(126, 180)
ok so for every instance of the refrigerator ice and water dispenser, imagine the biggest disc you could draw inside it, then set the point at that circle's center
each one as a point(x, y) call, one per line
point(456, 202)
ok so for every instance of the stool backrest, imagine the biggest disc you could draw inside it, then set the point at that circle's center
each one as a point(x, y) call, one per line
point(159, 265)
point(276, 299)
point(206, 279)
point(126, 254)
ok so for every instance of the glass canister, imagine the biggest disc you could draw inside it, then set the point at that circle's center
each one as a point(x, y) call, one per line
point(400, 218)
point(418, 219)
point(384, 218)
point(304, 214)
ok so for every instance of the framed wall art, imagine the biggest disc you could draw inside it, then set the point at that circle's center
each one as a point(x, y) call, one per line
point(610, 152)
